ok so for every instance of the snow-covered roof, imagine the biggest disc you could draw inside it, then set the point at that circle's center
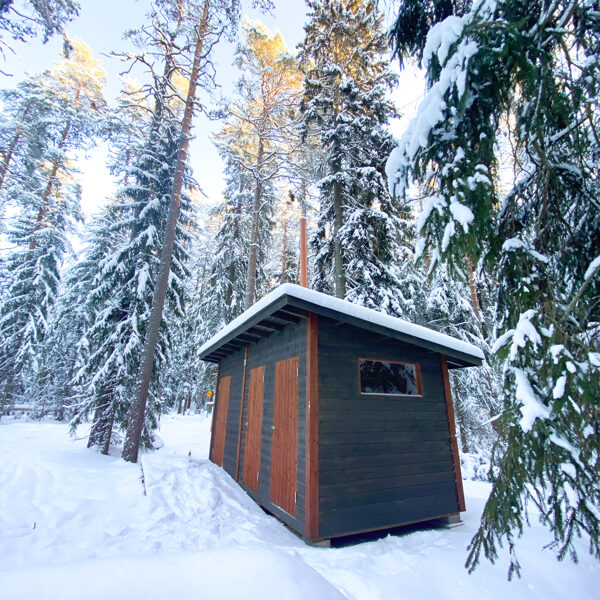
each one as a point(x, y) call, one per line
point(258, 320)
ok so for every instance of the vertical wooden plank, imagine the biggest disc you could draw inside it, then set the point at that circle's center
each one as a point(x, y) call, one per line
point(214, 412)
point(222, 407)
point(452, 428)
point(253, 428)
point(239, 444)
point(312, 428)
point(284, 447)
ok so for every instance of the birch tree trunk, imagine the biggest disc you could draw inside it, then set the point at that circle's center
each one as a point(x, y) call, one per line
point(138, 407)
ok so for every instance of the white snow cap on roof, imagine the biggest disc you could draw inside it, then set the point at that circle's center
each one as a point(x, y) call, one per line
point(346, 308)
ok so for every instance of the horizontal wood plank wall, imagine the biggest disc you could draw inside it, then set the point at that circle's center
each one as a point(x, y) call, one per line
point(222, 407)
point(452, 430)
point(383, 461)
point(284, 453)
point(290, 341)
point(312, 428)
point(233, 366)
point(253, 428)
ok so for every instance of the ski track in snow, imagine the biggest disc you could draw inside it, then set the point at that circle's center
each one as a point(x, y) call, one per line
point(74, 524)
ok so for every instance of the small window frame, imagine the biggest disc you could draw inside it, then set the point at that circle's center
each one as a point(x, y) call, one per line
point(418, 378)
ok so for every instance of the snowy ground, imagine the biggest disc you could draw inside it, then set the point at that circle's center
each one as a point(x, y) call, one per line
point(75, 524)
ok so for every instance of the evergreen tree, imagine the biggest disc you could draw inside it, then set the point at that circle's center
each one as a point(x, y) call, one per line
point(203, 25)
point(347, 78)
point(126, 255)
point(535, 68)
point(260, 131)
point(62, 114)
point(448, 308)
point(226, 282)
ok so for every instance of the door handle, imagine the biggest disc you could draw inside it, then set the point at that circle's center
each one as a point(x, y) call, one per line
point(272, 427)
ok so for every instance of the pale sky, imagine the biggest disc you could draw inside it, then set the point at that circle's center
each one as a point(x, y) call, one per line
point(101, 24)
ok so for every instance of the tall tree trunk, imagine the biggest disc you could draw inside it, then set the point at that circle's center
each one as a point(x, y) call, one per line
point(338, 258)
point(110, 420)
point(138, 407)
point(284, 250)
point(253, 253)
point(98, 424)
point(473, 289)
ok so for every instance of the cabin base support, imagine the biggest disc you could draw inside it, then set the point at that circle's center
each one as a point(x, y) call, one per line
point(451, 521)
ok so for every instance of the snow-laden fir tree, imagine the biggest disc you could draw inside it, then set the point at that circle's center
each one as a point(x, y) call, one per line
point(260, 130)
point(120, 296)
point(225, 289)
point(203, 24)
point(347, 78)
point(535, 68)
point(448, 308)
point(65, 350)
point(186, 378)
point(60, 116)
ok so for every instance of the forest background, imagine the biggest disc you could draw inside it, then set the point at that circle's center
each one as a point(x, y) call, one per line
point(467, 238)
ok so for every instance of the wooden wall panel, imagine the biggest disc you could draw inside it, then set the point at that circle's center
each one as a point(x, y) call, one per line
point(253, 428)
point(222, 408)
point(284, 453)
point(383, 461)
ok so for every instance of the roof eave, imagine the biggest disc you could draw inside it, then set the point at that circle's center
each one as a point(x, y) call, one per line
point(457, 359)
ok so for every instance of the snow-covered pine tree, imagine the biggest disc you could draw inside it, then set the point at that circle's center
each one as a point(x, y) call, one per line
point(225, 295)
point(260, 130)
point(61, 118)
point(347, 78)
point(120, 297)
point(65, 349)
point(448, 308)
point(186, 378)
point(203, 24)
point(535, 69)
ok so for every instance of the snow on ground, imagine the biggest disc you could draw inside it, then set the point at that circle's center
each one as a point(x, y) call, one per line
point(75, 524)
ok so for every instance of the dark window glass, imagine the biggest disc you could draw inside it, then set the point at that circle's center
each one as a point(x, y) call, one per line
point(378, 377)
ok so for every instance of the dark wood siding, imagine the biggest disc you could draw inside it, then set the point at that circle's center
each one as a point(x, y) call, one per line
point(383, 461)
point(284, 447)
point(287, 343)
point(222, 408)
point(253, 428)
point(311, 531)
point(233, 367)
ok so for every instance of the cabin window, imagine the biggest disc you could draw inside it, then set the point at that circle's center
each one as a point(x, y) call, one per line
point(390, 378)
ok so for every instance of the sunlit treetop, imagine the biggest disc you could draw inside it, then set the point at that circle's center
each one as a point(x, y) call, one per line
point(81, 74)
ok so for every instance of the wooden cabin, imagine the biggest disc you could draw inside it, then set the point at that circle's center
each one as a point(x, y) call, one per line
point(335, 418)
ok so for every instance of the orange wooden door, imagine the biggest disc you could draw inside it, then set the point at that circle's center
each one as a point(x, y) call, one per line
point(253, 428)
point(222, 408)
point(284, 449)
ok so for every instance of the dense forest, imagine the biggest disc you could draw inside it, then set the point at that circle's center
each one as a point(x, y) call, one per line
point(481, 222)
